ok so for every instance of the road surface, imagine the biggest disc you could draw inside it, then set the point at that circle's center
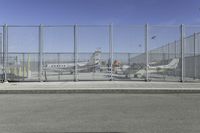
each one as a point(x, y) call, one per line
point(141, 113)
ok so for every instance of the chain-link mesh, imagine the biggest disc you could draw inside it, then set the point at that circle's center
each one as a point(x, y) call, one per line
point(191, 53)
point(106, 52)
point(129, 53)
point(58, 61)
point(164, 56)
point(22, 62)
point(93, 48)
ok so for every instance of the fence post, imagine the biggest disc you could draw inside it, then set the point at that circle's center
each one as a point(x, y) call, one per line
point(23, 65)
point(111, 51)
point(5, 51)
point(168, 52)
point(195, 43)
point(182, 52)
point(40, 52)
point(58, 59)
point(146, 51)
point(1, 48)
point(75, 53)
point(129, 59)
point(175, 49)
point(175, 42)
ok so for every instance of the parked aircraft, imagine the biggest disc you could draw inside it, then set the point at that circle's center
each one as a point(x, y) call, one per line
point(152, 69)
point(92, 64)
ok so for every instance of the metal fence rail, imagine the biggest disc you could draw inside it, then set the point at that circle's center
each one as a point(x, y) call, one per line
point(99, 52)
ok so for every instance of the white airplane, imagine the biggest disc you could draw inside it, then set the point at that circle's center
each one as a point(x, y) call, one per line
point(154, 69)
point(92, 64)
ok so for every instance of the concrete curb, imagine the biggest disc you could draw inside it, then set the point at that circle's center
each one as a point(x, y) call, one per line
point(103, 91)
point(100, 88)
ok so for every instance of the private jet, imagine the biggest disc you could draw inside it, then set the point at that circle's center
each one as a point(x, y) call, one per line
point(91, 65)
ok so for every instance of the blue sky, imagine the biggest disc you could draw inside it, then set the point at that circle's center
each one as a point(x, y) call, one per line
point(99, 11)
point(117, 12)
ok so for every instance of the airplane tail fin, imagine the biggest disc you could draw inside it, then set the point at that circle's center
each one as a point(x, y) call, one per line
point(173, 63)
point(95, 58)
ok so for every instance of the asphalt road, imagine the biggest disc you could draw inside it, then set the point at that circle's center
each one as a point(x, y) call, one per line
point(60, 113)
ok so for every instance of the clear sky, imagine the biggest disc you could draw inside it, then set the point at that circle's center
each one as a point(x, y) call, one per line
point(99, 11)
point(122, 12)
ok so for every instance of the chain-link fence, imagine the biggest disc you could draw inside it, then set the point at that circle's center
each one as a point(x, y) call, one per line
point(99, 52)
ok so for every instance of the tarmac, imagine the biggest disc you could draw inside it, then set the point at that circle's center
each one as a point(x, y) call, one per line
point(98, 87)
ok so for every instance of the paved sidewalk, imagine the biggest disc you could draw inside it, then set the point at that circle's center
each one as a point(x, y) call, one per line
point(99, 87)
